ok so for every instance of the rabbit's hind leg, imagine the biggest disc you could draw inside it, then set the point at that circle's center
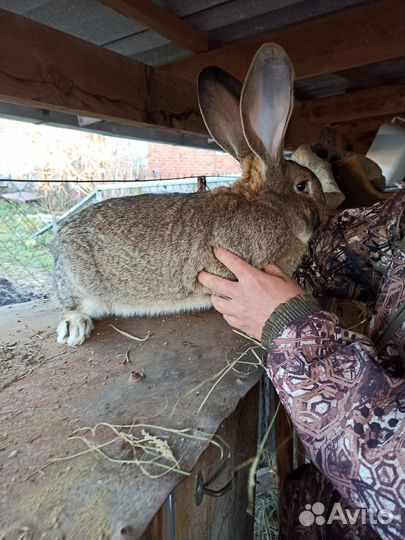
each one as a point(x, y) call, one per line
point(74, 328)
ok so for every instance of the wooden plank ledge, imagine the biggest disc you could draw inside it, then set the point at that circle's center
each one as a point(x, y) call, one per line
point(49, 390)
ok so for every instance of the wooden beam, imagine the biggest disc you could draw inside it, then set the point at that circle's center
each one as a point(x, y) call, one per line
point(225, 516)
point(350, 38)
point(356, 128)
point(301, 130)
point(162, 22)
point(379, 101)
point(363, 80)
point(48, 69)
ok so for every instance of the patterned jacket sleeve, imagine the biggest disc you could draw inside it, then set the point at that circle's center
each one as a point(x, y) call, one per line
point(346, 403)
point(350, 254)
point(347, 410)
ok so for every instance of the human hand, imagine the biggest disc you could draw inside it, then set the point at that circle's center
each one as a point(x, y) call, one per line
point(246, 304)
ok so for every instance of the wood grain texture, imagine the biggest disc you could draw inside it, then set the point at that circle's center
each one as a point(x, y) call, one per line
point(222, 518)
point(367, 103)
point(164, 23)
point(347, 39)
point(46, 68)
point(82, 386)
point(354, 129)
point(284, 445)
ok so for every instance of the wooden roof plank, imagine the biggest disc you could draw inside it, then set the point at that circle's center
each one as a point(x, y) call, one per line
point(356, 105)
point(163, 22)
point(48, 69)
point(356, 128)
point(347, 39)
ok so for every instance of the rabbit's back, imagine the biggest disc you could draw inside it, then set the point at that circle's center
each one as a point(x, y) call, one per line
point(139, 249)
point(132, 246)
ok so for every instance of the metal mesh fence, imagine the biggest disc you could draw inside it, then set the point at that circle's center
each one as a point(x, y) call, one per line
point(30, 213)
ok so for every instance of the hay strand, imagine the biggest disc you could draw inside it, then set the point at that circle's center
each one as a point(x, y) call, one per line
point(161, 454)
point(225, 371)
point(255, 464)
point(130, 336)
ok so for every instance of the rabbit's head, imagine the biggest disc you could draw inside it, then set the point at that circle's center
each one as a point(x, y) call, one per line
point(250, 123)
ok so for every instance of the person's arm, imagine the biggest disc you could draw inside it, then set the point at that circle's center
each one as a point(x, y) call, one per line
point(348, 256)
point(345, 408)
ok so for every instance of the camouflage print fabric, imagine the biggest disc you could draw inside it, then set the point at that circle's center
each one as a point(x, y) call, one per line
point(349, 256)
point(346, 400)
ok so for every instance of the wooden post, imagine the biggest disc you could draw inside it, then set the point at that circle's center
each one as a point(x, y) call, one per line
point(284, 445)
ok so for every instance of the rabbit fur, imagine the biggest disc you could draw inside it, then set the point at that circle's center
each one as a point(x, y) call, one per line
point(141, 255)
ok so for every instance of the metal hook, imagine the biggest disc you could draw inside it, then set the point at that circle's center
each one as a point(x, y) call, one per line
point(201, 489)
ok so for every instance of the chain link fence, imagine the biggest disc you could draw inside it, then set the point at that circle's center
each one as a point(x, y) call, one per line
point(30, 213)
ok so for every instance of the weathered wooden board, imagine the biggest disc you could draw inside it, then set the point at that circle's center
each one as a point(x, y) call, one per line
point(43, 67)
point(359, 104)
point(47, 391)
point(151, 15)
point(350, 38)
point(215, 518)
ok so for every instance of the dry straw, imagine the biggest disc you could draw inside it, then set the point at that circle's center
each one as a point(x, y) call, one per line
point(154, 451)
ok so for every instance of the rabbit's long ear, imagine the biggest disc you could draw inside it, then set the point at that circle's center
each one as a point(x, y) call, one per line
point(218, 97)
point(267, 102)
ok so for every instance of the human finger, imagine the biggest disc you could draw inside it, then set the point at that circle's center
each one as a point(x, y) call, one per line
point(234, 263)
point(274, 270)
point(217, 284)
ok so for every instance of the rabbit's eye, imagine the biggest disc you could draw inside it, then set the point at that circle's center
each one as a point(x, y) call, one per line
point(302, 187)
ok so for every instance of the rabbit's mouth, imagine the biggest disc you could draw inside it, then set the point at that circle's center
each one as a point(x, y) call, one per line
point(316, 220)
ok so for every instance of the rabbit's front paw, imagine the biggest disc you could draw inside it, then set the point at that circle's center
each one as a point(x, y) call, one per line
point(74, 329)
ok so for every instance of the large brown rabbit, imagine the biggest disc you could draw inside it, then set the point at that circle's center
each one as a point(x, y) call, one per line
point(141, 255)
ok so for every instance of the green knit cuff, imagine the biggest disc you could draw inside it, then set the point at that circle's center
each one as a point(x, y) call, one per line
point(284, 314)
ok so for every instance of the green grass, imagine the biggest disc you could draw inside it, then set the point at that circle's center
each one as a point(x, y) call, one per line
point(266, 520)
point(22, 260)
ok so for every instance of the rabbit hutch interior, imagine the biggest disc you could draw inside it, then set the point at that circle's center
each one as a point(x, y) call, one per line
point(162, 425)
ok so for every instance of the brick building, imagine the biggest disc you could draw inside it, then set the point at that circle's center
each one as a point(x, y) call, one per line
point(166, 161)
